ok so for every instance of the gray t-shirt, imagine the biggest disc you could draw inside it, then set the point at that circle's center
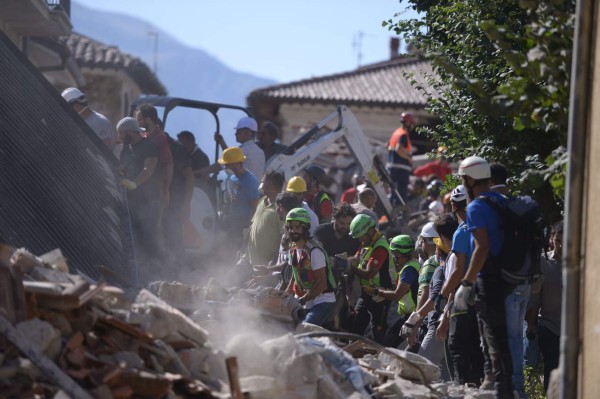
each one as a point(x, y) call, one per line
point(102, 127)
point(546, 293)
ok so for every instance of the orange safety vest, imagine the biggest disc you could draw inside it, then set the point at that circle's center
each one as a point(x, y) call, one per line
point(394, 143)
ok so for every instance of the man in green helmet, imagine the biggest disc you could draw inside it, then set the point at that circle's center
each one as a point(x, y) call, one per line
point(372, 265)
point(313, 282)
point(405, 293)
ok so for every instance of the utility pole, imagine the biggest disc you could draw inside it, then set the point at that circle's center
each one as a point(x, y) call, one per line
point(155, 35)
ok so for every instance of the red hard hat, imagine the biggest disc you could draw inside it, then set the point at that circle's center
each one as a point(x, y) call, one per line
point(407, 117)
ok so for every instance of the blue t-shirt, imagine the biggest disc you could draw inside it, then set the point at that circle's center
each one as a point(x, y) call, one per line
point(241, 191)
point(461, 242)
point(481, 215)
point(409, 275)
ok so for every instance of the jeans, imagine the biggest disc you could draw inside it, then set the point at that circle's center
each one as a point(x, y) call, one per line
point(516, 306)
point(431, 348)
point(491, 292)
point(369, 312)
point(320, 313)
point(400, 177)
point(464, 347)
point(531, 350)
point(550, 348)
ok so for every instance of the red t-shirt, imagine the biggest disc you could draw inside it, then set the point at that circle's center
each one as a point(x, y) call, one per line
point(378, 258)
point(349, 195)
point(161, 141)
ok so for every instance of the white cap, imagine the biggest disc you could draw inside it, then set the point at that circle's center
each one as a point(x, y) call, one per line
point(247, 123)
point(428, 231)
point(475, 167)
point(71, 94)
point(128, 124)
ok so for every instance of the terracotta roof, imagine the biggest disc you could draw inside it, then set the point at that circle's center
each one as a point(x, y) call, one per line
point(382, 84)
point(93, 54)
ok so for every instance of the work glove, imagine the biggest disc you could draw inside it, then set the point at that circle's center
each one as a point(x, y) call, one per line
point(128, 184)
point(409, 324)
point(440, 303)
point(464, 296)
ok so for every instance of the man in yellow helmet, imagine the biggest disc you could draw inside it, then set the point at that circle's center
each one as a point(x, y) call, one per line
point(297, 186)
point(241, 194)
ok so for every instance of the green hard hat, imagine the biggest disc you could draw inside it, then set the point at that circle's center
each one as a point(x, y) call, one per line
point(403, 244)
point(360, 225)
point(299, 215)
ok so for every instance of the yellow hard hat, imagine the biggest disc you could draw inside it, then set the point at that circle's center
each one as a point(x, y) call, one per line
point(232, 155)
point(296, 185)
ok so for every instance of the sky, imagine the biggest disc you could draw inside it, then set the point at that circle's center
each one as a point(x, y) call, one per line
point(311, 37)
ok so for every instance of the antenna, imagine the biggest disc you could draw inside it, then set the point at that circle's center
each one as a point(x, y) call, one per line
point(357, 46)
point(155, 35)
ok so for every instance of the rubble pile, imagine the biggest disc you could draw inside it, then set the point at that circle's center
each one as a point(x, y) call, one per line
point(63, 335)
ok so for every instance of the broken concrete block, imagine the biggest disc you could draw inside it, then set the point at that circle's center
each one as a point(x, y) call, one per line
point(41, 335)
point(179, 295)
point(162, 320)
point(401, 388)
point(431, 371)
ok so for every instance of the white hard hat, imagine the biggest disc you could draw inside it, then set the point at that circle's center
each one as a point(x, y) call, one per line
point(459, 194)
point(71, 94)
point(436, 207)
point(247, 123)
point(428, 231)
point(475, 167)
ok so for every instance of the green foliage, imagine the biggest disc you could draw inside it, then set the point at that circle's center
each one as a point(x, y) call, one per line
point(502, 80)
point(534, 386)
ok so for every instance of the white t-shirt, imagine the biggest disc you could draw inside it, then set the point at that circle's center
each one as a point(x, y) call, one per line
point(255, 159)
point(317, 261)
point(314, 220)
point(102, 127)
point(450, 266)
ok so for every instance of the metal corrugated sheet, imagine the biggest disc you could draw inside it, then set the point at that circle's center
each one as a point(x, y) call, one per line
point(58, 182)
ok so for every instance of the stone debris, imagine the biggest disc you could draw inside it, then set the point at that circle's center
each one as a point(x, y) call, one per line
point(62, 335)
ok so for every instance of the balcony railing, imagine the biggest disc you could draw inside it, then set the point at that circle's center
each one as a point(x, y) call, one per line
point(60, 5)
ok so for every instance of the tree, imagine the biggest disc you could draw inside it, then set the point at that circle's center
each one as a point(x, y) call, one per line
point(501, 88)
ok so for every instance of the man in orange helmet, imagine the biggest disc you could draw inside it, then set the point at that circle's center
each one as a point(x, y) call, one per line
point(400, 150)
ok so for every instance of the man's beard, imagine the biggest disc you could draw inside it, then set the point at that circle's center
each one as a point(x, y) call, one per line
point(342, 232)
point(295, 237)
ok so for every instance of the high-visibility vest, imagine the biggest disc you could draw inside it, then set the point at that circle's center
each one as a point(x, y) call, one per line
point(393, 156)
point(319, 199)
point(304, 276)
point(407, 304)
point(386, 272)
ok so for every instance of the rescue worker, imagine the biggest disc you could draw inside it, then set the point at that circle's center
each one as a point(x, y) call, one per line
point(406, 273)
point(318, 200)
point(297, 186)
point(372, 265)
point(400, 151)
point(313, 282)
point(482, 279)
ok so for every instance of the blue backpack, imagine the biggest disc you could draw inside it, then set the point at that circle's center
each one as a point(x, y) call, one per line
point(523, 231)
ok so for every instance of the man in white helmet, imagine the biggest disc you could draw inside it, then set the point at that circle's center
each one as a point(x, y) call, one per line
point(482, 284)
point(98, 122)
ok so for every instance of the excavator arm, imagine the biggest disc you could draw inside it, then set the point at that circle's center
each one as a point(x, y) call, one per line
point(309, 146)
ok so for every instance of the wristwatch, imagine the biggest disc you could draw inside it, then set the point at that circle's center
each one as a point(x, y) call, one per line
point(466, 283)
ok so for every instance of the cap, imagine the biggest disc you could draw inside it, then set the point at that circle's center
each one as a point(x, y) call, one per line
point(247, 123)
point(71, 94)
point(129, 124)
